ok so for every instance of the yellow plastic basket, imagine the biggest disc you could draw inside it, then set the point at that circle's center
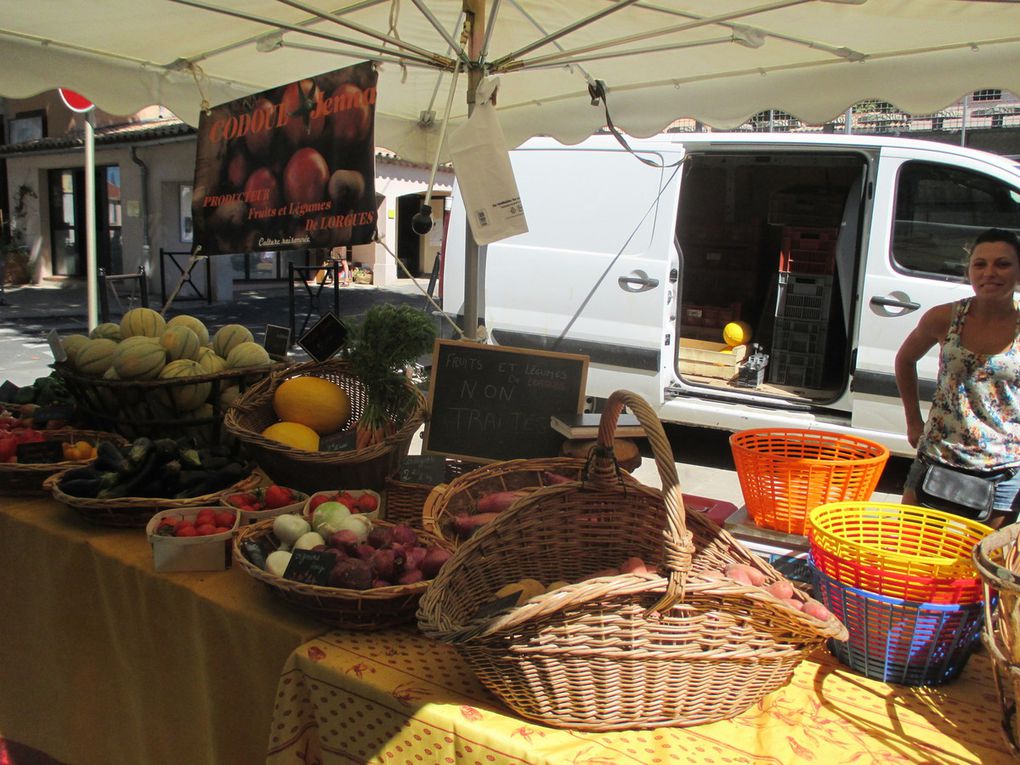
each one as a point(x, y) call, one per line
point(900, 540)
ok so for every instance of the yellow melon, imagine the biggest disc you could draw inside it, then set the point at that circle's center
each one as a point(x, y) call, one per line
point(293, 434)
point(316, 402)
point(228, 336)
point(95, 356)
point(195, 325)
point(180, 342)
point(142, 321)
point(250, 354)
point(736, 333)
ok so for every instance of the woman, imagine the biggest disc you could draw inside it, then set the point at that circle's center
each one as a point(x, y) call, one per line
point(974, 421)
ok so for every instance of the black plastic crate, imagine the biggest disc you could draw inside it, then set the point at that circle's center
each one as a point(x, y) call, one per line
point(799, 336)
point(801, 370)
point(803, 297)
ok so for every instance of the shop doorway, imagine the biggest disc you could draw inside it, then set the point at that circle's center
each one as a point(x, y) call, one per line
point(419, 253)
point(67, 220)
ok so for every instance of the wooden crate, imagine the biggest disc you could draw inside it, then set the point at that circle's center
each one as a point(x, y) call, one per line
point(702, 357)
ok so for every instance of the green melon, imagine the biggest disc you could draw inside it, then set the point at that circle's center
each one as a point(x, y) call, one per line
point(71, 344)
point(210, 362)
point(249, 354)
point(107, 330)
point(229, 336)
point(94, 357)
point(185, 398)
point(195, 325)
point(139, 358)
point(229, 395)
point(181, 343)
point(142, 321)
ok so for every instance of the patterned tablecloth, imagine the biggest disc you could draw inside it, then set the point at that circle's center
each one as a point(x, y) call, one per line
point(397, 697)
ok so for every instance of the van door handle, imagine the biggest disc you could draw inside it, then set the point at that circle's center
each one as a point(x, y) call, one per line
point(640, 282)
point(886, 302)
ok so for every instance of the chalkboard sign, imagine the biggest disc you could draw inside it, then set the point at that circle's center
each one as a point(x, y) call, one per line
point(325, 338)
point(277, 341)
point(491, 403)
point(8, 391)
point(37, 452)
point(310, 567)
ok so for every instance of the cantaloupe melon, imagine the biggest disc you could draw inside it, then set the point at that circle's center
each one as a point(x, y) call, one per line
point(185, 398)
point(180, 342)
point(228, 336)
point(210, 362)
point(250, 354)
point(229, 395)
point(142, 321)
point(94, 357)
point(316, 402)
point(192, 323)
point(108, 395)
point(139, 358)
point(107, 330)
point(71, 344)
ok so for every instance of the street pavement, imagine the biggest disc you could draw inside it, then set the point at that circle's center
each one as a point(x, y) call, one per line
point(703, 459)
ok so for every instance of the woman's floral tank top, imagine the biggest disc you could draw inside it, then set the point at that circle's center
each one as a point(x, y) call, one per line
point(974, 421)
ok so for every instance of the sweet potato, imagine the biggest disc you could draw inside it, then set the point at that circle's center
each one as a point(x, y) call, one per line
point(498, 501)
point(781, 588)
point(817, 610)
point(753, 576)
point(465, 525)
point(554, 478)
point(794, 603)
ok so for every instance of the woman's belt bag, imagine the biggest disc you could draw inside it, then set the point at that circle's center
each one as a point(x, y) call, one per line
point(954, 491)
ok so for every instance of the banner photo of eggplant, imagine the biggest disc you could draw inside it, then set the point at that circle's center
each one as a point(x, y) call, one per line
point(289, 168)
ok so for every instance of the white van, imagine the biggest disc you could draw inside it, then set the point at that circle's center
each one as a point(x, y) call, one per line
point(829, 247)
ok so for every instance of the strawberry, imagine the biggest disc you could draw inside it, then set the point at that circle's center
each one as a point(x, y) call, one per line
point(278, 496)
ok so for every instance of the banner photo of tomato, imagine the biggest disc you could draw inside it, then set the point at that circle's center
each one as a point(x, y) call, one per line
point(289, 168)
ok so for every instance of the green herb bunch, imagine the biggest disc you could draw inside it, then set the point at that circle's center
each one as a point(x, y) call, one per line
point(388, 340)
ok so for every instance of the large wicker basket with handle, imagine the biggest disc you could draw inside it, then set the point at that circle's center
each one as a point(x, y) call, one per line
point(364, 468)
point(683, 647)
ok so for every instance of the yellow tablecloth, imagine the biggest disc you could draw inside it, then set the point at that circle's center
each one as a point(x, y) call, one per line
point(104, 661)
point(397, 697)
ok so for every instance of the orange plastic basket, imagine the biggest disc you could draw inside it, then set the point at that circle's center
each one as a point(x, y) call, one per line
point(785, 472)
point(899, 542)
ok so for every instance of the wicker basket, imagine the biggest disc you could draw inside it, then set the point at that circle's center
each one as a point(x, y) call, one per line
point(461, 495)
point(623, 651)
point(405, 499)
point(135, 512)
point(785, 472)
point(16, 478)
point(127, 406)
point(997, 558)
point(374, 609)
point(310, 472)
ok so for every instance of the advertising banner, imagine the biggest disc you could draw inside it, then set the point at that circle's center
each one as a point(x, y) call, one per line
point(288, 168)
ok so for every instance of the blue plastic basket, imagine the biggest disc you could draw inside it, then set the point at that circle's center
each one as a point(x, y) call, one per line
point(898, 641)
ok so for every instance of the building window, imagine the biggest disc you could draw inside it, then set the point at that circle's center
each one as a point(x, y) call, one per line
point(988, 94)
point(27, 126)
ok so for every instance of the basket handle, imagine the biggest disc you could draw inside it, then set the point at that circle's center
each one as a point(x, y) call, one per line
point(429, 519)
point(679, 545)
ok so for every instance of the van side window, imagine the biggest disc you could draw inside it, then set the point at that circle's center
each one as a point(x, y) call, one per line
point(939, 211)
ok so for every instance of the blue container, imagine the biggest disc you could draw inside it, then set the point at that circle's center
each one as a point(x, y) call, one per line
point(898, 641)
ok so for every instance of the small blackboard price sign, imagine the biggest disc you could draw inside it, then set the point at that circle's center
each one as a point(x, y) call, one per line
point(325, 338)
point(277, 341)
point(427, 469)
point(8, 391)
point(343, 441)
point(491, 403)
point(310, 567)
point(40, 452)
point(56, 346)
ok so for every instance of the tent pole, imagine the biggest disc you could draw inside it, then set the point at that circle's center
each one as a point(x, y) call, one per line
point(91, 269)
point(475, 12)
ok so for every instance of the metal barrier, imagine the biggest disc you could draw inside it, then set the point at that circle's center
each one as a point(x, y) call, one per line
point(183, 272)
point(108, 284)
point(320, 277)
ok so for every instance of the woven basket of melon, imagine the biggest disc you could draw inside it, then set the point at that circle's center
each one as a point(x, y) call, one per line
point(343, 422)
point(147, 376)
point(341, 567)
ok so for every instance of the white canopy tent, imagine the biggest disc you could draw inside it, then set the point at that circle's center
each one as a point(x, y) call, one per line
point(719, 61)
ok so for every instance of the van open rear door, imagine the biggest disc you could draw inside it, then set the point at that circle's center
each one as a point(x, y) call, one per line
point(593, 273)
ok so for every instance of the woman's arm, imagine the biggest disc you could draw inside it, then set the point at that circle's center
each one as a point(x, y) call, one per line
point(930, 330)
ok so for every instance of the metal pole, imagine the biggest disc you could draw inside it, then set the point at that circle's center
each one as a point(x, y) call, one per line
point(963, 122)
point(91, 265)
point(475, 13)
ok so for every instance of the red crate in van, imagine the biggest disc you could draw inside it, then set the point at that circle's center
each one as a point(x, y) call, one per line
point(808, 250)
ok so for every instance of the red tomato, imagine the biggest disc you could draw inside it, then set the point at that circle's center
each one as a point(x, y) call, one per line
point(278, 496)
point(367, 503)
point(305, 177)
point(185, 530)
point(299, 106)
point(224, 518)
point(261, 191)
point(205, 529)
point(221, 529)
point(206, 515)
